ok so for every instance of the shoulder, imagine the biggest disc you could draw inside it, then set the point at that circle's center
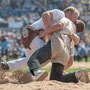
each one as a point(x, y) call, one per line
point(71, 24)
point(57, 14)
point(57, 11)
point(64, 20)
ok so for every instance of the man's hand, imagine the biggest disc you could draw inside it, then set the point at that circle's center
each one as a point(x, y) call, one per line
point(75, 38)
point(72, 36)
point(28, 26)
point(42, 34)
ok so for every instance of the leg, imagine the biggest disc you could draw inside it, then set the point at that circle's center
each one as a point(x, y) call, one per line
point(86, 57)
point(79, 58)
point(35, 45)
point(57, 70)
point(57, 74)
point(40, 56)
point(18, 64)
point(22, 62)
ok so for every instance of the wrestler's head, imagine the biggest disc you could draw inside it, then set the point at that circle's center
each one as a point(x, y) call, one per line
point(72, 13)
point(80, 26)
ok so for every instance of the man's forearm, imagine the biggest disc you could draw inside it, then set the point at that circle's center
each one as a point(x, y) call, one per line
point(54, 28)
point(69, 63)
point(47, 18)
point(77, 39)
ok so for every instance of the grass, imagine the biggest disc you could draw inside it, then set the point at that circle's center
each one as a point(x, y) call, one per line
point(49, 69)
point(82, 60)
point(87, 60)
point(68, 70)
point(75, 69)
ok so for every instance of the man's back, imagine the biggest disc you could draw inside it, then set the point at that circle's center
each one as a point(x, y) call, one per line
point(60, 41)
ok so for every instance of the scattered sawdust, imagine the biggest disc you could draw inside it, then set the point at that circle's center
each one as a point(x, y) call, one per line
point(17, 77)
point(22, 81)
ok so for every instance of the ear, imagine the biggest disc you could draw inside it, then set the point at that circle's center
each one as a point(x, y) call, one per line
point(69, 13)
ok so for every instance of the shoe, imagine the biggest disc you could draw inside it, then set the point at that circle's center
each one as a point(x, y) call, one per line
point(4, 66)
point(82, 75)
point(41, 76)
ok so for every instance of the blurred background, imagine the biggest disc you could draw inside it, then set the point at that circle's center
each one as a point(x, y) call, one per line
point(15, 14)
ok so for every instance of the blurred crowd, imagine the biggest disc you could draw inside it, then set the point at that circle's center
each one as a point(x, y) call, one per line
point(28, 11)
point(82, 50)
point(11, 45)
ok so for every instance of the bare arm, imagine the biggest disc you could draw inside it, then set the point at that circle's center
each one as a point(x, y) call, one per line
point(55, 27)
point(58, 26)
point(75, 38)
point(47, 18)
point(69, 64)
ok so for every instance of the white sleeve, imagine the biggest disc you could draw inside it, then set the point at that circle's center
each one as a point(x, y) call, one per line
point(68, 25)
point(38, 24)
point(65, 21)
point(57, 14)
point(66, 28)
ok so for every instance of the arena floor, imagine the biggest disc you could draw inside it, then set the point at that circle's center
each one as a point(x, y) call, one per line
point(13, 84)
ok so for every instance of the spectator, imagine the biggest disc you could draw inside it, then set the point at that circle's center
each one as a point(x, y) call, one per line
point(75, 54)
point(82, 53)
point(22, 51)
point(4, 46)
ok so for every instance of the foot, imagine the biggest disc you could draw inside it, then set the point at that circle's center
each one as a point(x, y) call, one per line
point(4, 66)
point(82, 75)
point(41, 76)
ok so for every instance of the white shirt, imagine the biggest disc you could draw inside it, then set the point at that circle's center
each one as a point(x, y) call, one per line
point(57, 15)
point(59, 39)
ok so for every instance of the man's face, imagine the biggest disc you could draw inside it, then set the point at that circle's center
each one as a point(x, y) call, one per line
point(72, 16)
